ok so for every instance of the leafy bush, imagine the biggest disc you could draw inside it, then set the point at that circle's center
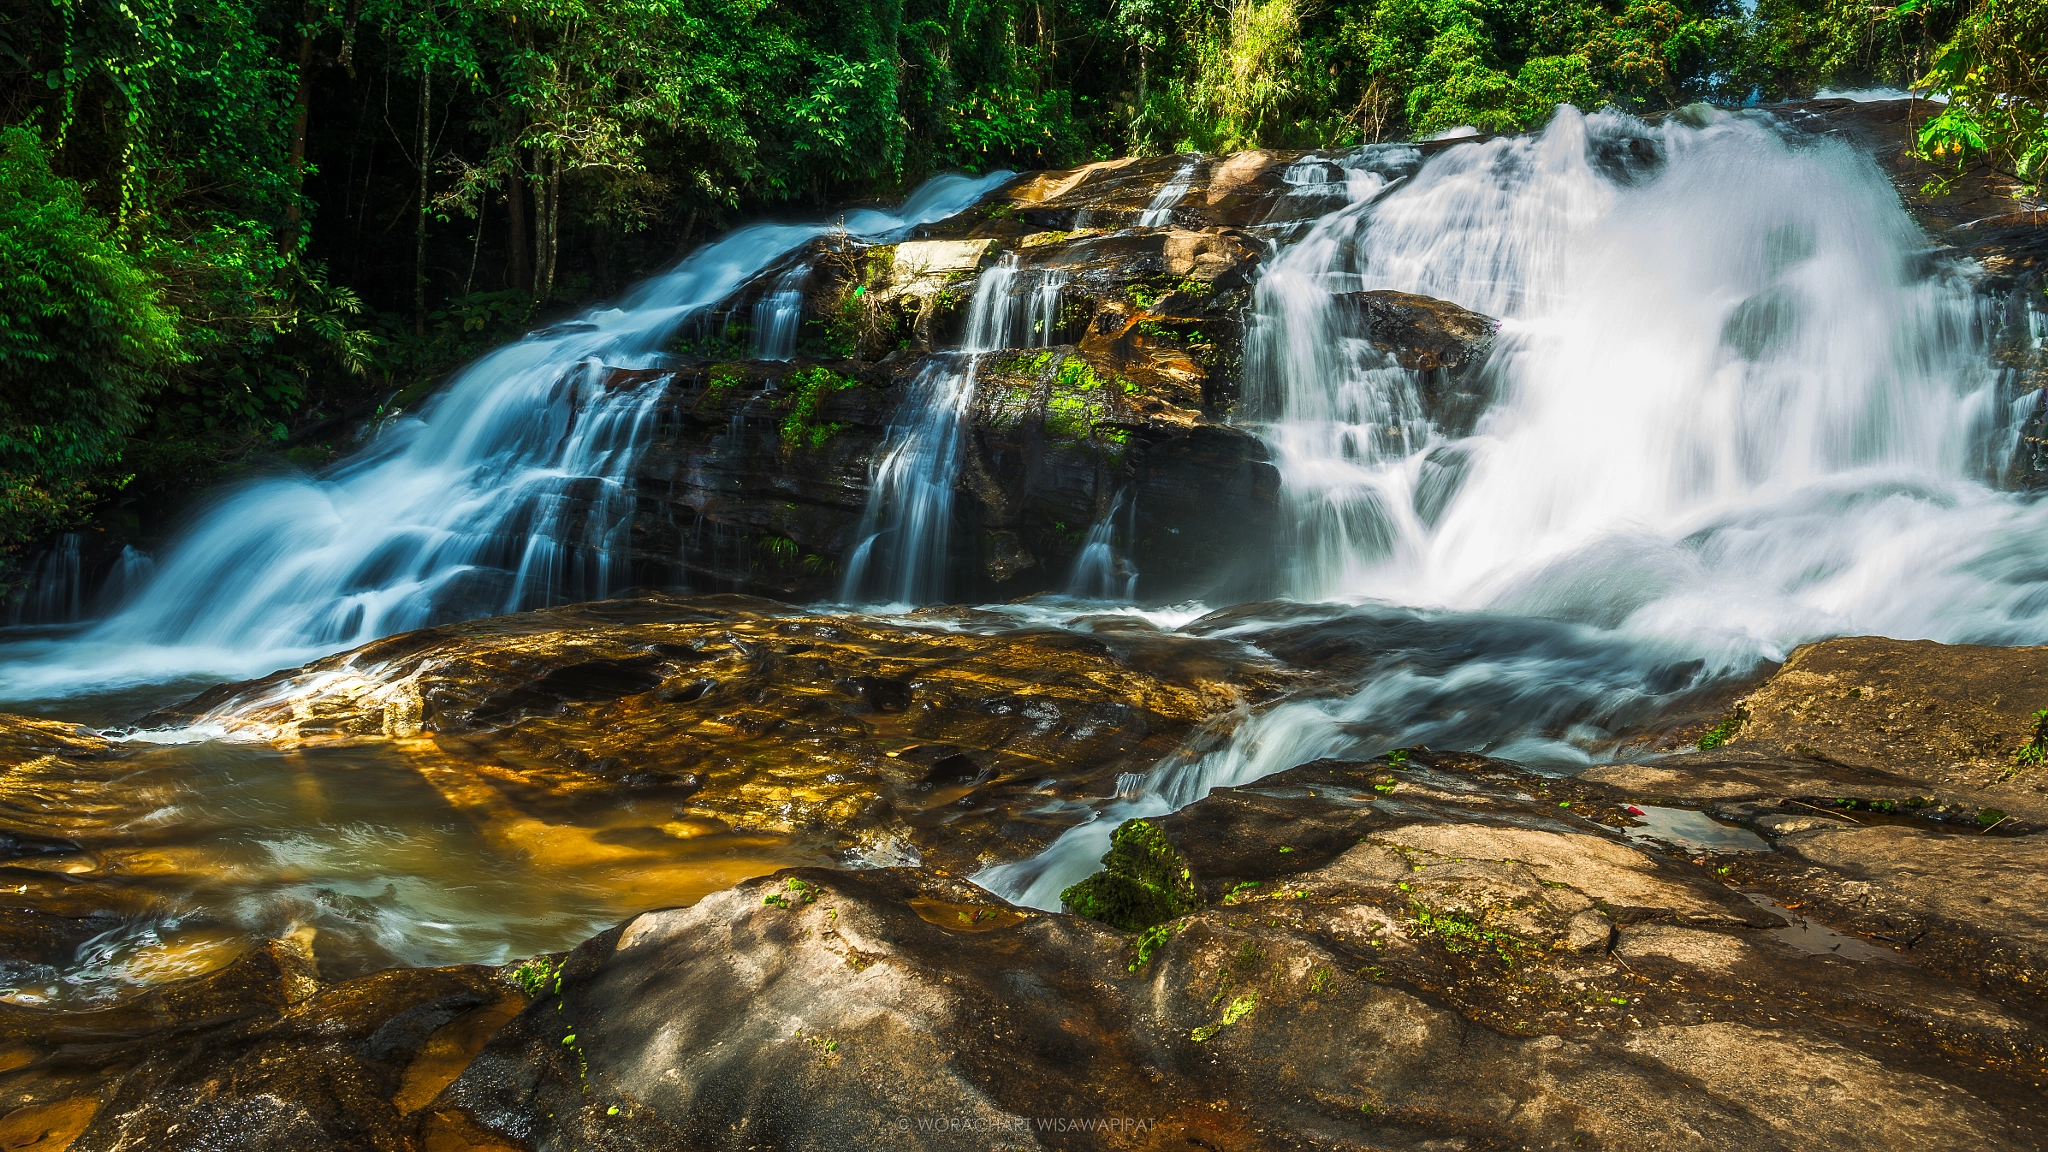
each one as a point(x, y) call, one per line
point(84, 339)
point(1994, 71)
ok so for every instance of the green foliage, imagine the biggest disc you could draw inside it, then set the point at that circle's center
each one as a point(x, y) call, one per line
point(1724, 731)
point(318, 211)
point(85, 337)
point(1994, 70)
point(1144, 882)
point(2034, 752)
point(807, 389)
point(533, 976)
point(720, 382)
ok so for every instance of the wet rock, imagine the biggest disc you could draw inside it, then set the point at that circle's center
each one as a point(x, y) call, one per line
point(1951, 718)
point(1440, 949)
point(255, 1056)
point(752, 715)
point(1422, 333)
point(1442, 342)
point(756, 474)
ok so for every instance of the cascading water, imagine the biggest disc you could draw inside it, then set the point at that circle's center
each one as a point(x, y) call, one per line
point(1099, 573)
point(509, 489)
point(778, 315)
point(54, 592)
point(1159, 213)
point(906, 529)
point(1737, 407)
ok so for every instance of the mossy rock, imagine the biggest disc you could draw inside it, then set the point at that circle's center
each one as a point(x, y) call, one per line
point(1144, 881)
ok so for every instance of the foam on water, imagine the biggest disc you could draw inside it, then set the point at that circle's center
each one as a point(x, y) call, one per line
point(1738, 406)
point(509, 489)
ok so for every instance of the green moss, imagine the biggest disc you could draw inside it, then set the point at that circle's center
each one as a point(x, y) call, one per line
point(1145, 295)
point(722, 380)
point(1148, 942)
point(1237, 1010)
point(1077, 401)
point(1461, 932)
point(1725, 731)
point(532, 976)
point(1144, 882)
point(807, 389)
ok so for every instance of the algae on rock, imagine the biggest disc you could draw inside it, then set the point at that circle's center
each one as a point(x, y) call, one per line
point(1144, 881)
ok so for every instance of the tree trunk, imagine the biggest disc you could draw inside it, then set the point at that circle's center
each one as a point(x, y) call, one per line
point(517, 269)
point(347, 56)
point(540, 218)
point(554, 224)
point(419, 235)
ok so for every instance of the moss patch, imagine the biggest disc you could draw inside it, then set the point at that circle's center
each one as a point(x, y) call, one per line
point(801, 427)
point(1725, 731)
point(1144, 882)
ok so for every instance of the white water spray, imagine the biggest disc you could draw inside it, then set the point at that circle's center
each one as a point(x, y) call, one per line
point(1159, 213)
point(509, 489)
point(1099, 572)
point(1737, 407)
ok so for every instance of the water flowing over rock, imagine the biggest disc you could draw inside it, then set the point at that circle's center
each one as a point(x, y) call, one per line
point(1414, 720)
point(906, 736)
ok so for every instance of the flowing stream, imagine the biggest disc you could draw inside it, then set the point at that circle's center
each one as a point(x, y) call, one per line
point(508, 490)
point(905, 532)
point(1734, 404)
point(1735, 407)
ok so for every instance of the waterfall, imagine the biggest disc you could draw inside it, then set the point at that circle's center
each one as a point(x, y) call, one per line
point(507, 490)
point(778, 315)
point(130, 574)
point(1159, 213)
point(1737, 406)
point(1711, 334)
point(905, 534)
point(1099, 573)
point(54, 587)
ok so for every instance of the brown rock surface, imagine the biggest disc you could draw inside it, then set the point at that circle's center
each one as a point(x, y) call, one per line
point(1419, 949)
point(900, 738)
point(1440, 953)
point(257, 1055)
point(1951, 718)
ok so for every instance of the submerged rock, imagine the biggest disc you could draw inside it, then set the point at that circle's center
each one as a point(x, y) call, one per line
point(903, 739)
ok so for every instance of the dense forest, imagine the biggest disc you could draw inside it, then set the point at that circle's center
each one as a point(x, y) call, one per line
point(232, 230)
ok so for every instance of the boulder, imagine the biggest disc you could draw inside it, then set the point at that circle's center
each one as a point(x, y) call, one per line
point(1960, 718)
point(1428, 950)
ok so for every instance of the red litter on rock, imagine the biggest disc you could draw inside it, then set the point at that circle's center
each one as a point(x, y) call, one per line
point(1634, 811)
